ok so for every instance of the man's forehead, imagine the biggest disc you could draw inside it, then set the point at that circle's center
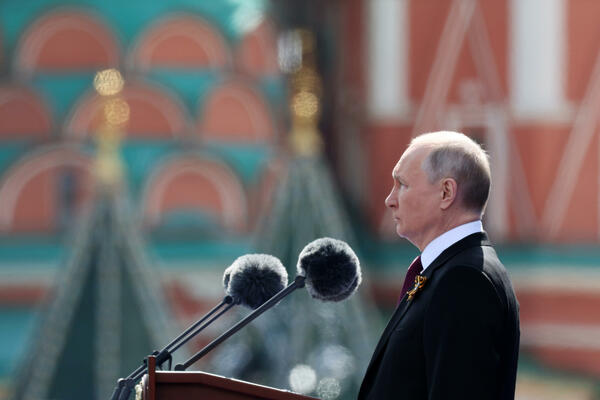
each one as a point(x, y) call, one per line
point(400, 169)
point(413, 154)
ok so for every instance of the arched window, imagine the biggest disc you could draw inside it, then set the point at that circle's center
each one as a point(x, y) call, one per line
point(66, 40)
point(42, 192)
point(256, 54)
point(153, 114)
point(195, 190)
point(24, 114)
point(181, 41)
point(237, 113)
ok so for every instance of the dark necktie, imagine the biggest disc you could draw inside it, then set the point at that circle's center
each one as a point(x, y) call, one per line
point(409, 281)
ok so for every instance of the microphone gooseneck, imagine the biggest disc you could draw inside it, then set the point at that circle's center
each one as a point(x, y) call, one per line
point(125, 385)
point(331, 268)
point(250, 281)
point(296, 284)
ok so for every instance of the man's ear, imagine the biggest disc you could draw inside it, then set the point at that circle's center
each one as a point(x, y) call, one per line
point(449, 191)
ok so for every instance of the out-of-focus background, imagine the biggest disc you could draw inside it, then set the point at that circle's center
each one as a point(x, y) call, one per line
point(145, 145)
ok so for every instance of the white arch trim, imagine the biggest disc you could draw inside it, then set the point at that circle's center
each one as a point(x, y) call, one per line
point(244, 96)
point(261, 35)
point(21, 174)
point(157, 34)
point(28, 96)
point(223, 179)
point(81, 119)
point(41, 30)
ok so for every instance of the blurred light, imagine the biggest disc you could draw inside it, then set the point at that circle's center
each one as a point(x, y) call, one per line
point(303, 379)
point(305, 104)
point(334, 360)
point(233, 359)
point(108, 82)
point(116, 111)
point(248, 14)
point(289, 51)
point(328, 389)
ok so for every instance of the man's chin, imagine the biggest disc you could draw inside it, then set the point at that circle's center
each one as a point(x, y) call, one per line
point(400, 232)
point(404, 236)
point(400, 229)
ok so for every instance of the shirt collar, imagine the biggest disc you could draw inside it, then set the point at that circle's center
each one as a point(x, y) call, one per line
point(447, 239)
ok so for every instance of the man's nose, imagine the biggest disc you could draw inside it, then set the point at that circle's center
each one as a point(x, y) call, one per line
point(390, 200)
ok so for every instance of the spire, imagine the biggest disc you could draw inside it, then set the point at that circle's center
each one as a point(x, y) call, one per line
point(308, 346)
point(106, 312)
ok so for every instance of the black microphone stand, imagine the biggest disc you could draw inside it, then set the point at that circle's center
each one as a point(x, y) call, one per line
point(296, 284)
point(125, 385)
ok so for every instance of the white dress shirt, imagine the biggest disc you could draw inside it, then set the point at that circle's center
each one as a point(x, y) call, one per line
point(447, 239)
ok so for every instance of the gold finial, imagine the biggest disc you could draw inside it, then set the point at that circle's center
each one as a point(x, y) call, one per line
point(108, 82)
point(305, 105)
point(305, 101)
point(115, 112)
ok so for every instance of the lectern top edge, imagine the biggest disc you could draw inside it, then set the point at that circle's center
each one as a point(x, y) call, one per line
point(157, 382)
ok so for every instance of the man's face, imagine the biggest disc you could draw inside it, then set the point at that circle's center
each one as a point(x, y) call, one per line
point(414, 202)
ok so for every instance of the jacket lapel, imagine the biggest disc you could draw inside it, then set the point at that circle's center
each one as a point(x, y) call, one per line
point(396, 317)
point(381, 345)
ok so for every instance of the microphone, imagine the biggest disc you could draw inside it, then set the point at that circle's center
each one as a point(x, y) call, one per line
point(227, 277)
point(254, 279)
point(250, 280)
point(331, 268)
point(328, 267)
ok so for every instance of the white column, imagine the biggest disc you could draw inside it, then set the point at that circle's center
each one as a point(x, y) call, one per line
point(497, 140)
point(387, 61)
point(537, 57)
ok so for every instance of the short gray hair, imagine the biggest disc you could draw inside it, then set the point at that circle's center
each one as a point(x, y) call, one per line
point(455, 155)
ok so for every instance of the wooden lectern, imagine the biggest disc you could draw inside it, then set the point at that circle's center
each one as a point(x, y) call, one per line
point(175, 385)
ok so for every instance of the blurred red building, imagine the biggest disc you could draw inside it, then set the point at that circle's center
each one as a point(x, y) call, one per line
point(208, 122)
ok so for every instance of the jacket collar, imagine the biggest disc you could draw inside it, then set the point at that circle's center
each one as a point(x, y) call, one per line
point(473, 240)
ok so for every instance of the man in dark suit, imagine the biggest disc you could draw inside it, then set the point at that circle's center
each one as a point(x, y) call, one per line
point(455, 332)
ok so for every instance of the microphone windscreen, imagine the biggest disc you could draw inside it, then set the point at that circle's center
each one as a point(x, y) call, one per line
point(331, 268)
point(255, 278)
point(227, 277)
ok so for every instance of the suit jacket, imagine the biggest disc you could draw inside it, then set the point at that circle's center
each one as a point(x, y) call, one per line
point(458, 338)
